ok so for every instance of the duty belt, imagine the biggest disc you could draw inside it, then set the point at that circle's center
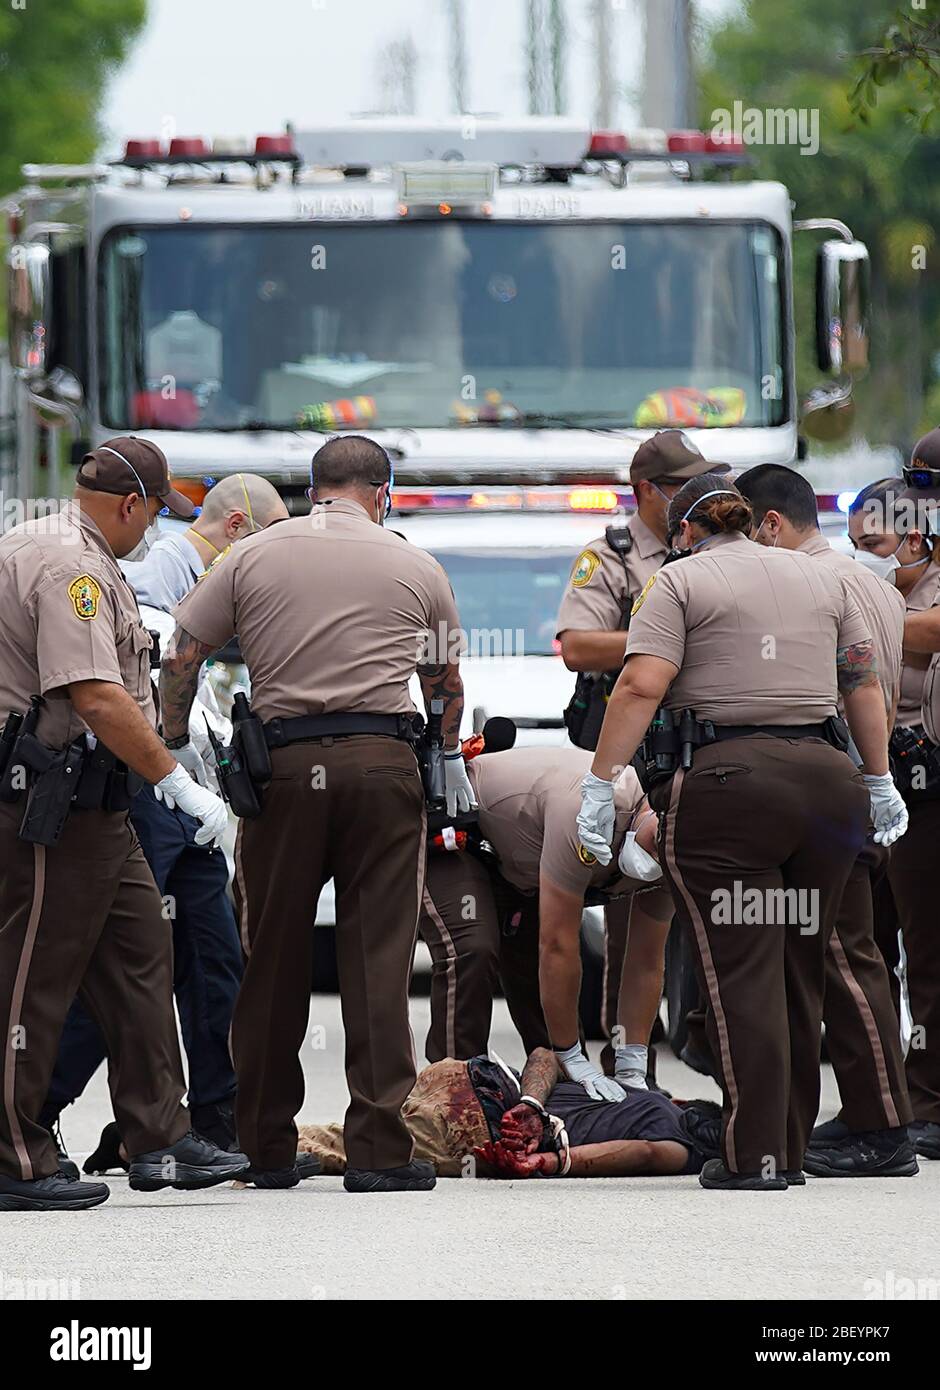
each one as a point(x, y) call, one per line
point(725, 731)
point(278, 733)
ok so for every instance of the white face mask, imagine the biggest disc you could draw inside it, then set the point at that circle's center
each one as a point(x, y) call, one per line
point(148, 539)
point(886, 566)
point(634, 862)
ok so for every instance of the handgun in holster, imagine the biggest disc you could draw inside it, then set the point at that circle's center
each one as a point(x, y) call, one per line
point(17, 729)
point(52, 789)
point(235, 782)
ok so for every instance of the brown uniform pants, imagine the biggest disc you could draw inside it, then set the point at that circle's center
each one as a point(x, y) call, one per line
point(766, 814)
point(863, 1034)
point(460, 926)
point(912, 874)
point(351, 809)
point(85, 916)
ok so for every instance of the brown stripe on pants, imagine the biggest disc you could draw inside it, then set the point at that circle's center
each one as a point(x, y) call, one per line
point(84, 916)
point(351, 809)
point(460, 928)
point(771, 814)
point(863, 1033)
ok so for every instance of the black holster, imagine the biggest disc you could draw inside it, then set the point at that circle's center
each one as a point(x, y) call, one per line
point(52, 788)
point(915, 763)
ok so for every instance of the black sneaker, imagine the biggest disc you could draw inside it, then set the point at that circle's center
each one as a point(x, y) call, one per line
point(886, 1153)
point(416, 1176)
point(57, 1193)
point(716, 1175)
point(189, 1164)
point(107, 1156)
point(698, 1061)
point(832, 1132)
point(795, 1177)
point(216, 1123)
point(925, 1137)
point(67, 1168)
point(308, 1165)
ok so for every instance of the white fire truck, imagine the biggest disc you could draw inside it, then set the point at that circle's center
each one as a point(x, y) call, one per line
point(496, 303)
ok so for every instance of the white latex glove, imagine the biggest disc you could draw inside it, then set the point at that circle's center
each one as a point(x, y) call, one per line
point(596, 818)
point(888, 811)
point(631, 1063)
point(460, 795)
point(189, 756)
point(577, 1068)
point(178, 789)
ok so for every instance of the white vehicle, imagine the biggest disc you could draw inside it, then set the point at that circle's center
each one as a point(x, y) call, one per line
point(514, 303)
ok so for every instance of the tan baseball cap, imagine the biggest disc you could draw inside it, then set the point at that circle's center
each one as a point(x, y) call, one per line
point(128, 464)
point(671, 455)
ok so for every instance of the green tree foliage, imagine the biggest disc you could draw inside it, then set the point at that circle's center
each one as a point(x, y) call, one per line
point(910, 52)
point(55, 57)
point(880, 174)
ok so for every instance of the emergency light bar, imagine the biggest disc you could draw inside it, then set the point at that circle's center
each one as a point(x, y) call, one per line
point(371, 142)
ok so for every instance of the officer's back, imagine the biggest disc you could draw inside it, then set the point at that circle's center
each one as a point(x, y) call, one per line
point(330, 612)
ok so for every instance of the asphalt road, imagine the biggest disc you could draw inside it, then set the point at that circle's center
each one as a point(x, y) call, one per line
point(609, 1239)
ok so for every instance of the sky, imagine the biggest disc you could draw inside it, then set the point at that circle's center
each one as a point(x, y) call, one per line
point(243, 67)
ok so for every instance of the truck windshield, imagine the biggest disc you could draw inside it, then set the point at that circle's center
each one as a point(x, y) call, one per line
point(436, 324)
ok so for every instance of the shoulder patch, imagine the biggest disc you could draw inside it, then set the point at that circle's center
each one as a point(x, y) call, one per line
point(583, 571)
point(642, 594)
point(85, 594)
point(586, 856)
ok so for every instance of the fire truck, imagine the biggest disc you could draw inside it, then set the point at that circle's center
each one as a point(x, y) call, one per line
point(499, 304)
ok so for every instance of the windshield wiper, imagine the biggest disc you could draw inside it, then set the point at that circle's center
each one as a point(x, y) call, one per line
point(566, 420)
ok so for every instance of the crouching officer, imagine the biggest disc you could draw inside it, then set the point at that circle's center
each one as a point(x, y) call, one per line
point(763, 815)
point(333, 616)
point(607, 578)
point(79, 910)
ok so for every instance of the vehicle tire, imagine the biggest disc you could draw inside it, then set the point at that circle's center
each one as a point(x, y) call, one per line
point(681, 985)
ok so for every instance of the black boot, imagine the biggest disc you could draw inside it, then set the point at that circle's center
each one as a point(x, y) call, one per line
point(57, 1193)
point(67, 1168)
point(187, 1165)
point(216, 1123)
point(416, 1176)
point(716, 1175)
point(882, 1153)
point(108, 1155)
point(925, 1137)
point(306, 1166)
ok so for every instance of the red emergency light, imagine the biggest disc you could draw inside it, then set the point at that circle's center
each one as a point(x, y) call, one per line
point(720, 143)
point(143, 149)
point(686, 142)
point(277, 145)
point(608, 143)
point(187, 147)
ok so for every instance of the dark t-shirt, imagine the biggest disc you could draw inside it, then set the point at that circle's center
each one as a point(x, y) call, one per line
point(640, 1115)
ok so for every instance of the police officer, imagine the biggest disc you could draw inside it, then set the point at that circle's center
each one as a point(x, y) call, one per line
point(890, 526)
point(207, 959)
point(863, 1035)
point(331, 612)
point(606, 580)
point(514, 913)
point(79, 910)
point(769, 818)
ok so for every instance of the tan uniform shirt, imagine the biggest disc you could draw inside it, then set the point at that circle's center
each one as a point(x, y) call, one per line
point(880, 605)
point(529, 799)
point(753, 631)
point(600, 586)
point(68, 615)
point(925, 594)
point(331, 612)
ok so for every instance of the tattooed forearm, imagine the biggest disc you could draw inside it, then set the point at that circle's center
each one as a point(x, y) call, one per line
point(444, 683)
point(540, 1074)
point(179, 677)
point(856, 666)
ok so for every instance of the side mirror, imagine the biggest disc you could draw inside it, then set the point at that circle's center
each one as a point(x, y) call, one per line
point(30, 305)
point(842, 308)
